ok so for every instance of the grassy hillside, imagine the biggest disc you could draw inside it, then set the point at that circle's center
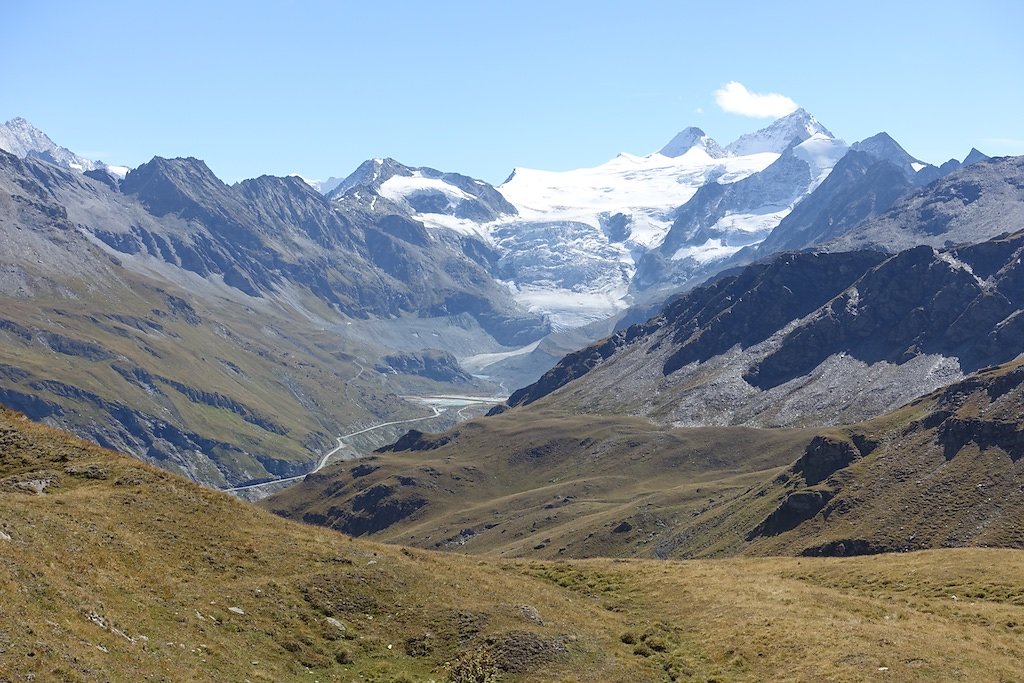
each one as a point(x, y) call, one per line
point(538, 483)
point(113, 570)
point(943, 471)
point(221, 391)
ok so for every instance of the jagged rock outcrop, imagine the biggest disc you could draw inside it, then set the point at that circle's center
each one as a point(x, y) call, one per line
point(824, 456)
point(972, 204)
point(415, 440)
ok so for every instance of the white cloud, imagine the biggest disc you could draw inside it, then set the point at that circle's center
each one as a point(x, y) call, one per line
point(734, 98)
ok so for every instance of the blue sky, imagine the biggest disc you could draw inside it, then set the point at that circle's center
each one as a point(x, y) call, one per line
point(482, 87)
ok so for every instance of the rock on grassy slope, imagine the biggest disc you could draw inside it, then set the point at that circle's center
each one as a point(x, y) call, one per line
point(114, 570)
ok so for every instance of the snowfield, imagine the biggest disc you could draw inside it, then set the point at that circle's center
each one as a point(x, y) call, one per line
point(647, 188)
point(569, 242)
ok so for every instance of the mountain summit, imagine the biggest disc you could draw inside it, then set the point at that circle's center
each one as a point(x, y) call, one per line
point(691, 137)
point(22, 139)
point(779, 135)
point(882, 146)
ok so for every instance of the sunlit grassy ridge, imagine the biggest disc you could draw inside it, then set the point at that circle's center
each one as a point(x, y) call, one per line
point(542, 483)
point(118, 571)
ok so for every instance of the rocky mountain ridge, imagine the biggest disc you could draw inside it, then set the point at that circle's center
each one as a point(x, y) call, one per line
point(581, 246)
point(386, 263)
point(226, 332)
point(977, 201)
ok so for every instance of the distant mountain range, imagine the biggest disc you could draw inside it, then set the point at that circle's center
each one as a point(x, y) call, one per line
point(396, 265)
point(580, 246)
point(806, 338)
point(227, 332)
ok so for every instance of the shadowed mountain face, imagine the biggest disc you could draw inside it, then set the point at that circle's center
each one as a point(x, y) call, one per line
point(859, 188)
point(809, 338)
point(919, 302)
point(271, 233)
point(267, 231)
point(743, 309)
point(976, 202)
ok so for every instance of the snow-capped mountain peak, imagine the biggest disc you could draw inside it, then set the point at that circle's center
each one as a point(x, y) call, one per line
point(883, 147)
point(324, 187)
point(370, 174)
point(437, 199)
point(22, 139)
point(779, 135)
point(687, 139)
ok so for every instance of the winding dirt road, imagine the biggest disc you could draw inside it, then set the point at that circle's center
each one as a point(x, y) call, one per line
point(341, 444)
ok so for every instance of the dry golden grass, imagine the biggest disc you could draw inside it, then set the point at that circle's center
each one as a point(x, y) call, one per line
point(542, 484)
point(935, 615)
point(122, 572)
